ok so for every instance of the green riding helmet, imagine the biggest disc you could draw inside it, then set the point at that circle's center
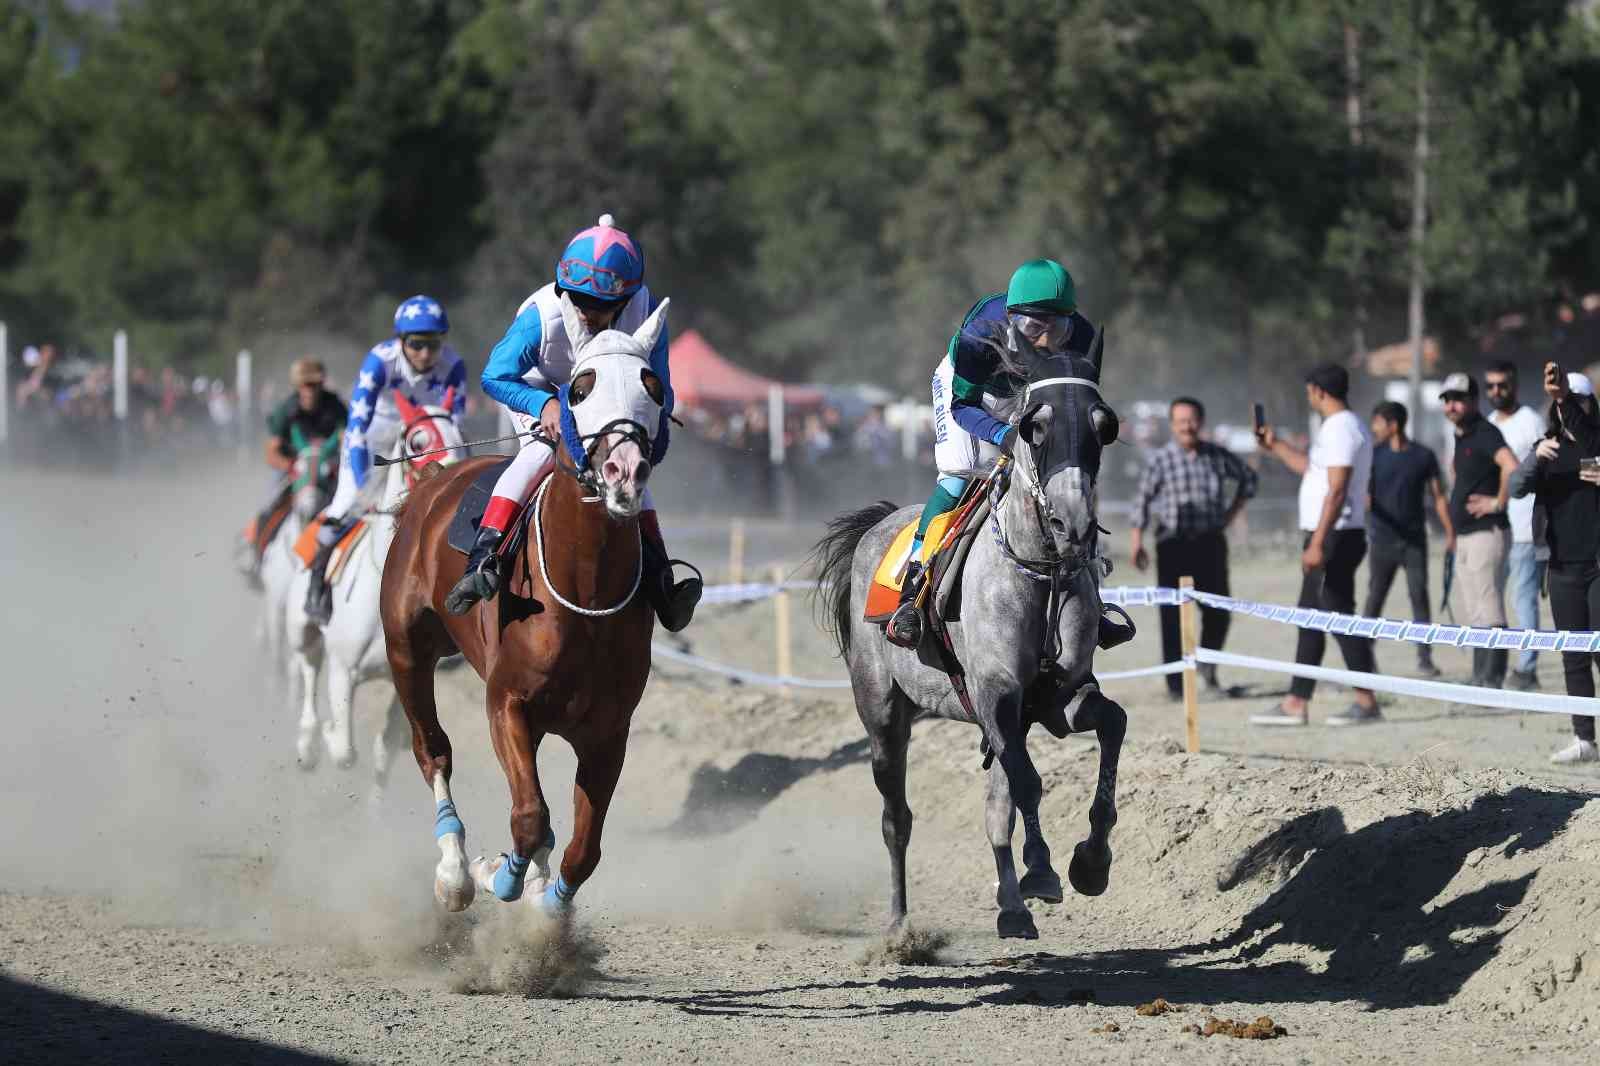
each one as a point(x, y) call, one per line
point(1042, 285)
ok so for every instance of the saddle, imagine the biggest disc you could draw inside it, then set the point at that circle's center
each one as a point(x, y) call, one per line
point(306, 546)
point(944, 552)
point(463, 531)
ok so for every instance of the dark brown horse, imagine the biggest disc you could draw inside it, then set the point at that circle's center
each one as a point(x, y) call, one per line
point(564, 649)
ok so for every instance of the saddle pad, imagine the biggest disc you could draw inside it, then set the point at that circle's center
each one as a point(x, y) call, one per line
point(305, 546)
point(464, 524)
point(884, 595)
point(260, 533)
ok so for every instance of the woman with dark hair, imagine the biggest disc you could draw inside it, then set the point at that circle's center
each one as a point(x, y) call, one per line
point(1566, 525)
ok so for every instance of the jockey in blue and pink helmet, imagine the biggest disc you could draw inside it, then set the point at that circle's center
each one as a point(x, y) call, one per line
point(600, 275)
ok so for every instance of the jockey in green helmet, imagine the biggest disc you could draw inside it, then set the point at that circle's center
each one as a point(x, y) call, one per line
point(973, 396)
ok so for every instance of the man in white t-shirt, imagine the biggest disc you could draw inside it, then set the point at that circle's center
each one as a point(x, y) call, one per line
point(1522, 428)
point(1333, 519)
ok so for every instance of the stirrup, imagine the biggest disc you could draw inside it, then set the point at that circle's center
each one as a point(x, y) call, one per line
point(905, 626)
point(674, 602)
point(1112, 631)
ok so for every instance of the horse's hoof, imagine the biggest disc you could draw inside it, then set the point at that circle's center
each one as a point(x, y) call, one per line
point(305, 753)
point(1089, 872)
point(1017, 925)
point(452, 887)
point(1043, 884)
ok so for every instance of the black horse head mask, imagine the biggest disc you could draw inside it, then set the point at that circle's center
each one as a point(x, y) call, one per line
point(1065, 423)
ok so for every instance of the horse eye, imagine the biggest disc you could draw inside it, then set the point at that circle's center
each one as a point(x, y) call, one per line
point(420, 441)
point(653, 386)
point(582, 385)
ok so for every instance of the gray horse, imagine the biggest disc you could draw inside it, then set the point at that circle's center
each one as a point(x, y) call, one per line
point(1042, 531)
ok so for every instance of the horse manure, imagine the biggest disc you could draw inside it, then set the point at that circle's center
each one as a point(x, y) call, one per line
point(1109, 1027)
point(1157, 1007)
point(1263, 1028)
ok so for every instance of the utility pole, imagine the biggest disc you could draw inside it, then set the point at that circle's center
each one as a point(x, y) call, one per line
point(1419, 210)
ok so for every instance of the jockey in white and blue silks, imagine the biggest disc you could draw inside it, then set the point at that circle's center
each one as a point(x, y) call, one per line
point(416, 362)
point(601, 276)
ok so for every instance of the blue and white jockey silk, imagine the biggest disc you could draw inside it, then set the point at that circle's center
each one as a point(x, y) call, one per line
point(374, 417)
point(534, 358)
point(375, 424)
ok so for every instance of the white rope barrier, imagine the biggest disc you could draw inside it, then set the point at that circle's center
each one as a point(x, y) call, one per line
point(1410, 686)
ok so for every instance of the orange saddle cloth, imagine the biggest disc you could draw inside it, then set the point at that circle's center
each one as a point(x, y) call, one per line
point(884, 595)
point(305, 546)
point(258, 533)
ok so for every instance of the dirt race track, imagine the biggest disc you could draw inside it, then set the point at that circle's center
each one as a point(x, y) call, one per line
point(174, 890)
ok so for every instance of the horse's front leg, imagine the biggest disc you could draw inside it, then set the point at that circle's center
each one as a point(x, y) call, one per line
point(516, 744)
point(303, 665)
point(1090, 869)
point(336, 732)
point(599, 767)
point(1014, 786)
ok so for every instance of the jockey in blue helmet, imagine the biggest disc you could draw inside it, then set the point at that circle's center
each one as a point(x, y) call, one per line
point(415, 361)
point(601, 276)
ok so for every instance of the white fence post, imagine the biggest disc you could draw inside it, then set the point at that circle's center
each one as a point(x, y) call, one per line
point(775, 432)
point(5, 385)
point(119, 375)
point(244, 389)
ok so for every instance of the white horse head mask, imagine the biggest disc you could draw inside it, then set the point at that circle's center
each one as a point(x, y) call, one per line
point(616, 402)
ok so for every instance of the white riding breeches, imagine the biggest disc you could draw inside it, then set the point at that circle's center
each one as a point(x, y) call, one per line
point(955, 451)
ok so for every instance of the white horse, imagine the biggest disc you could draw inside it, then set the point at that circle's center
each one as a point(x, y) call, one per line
point(352, 642)
point(311, 486)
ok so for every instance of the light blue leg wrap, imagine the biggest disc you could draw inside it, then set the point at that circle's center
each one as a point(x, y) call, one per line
point(446, 821)
point(558, 895)
point(508, 878)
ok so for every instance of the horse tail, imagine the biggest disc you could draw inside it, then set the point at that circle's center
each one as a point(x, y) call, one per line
point(834, 554)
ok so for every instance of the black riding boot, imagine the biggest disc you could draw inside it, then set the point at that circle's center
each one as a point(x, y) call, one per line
point(674, 604)
point(319, 597)
point(482, 579)
point(905, 625)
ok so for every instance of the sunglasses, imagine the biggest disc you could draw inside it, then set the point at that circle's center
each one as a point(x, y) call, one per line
point(424, 344)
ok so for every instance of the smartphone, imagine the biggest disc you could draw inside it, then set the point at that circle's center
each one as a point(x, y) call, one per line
point(1589, 464)
point(1261, 418)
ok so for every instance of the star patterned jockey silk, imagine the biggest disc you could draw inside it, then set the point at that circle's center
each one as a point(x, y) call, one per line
point(375, 421)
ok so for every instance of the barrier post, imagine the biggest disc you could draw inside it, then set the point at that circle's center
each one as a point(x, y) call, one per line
point(5, 385)
point(780, 609)
point(736, 551)
point(1191, 682)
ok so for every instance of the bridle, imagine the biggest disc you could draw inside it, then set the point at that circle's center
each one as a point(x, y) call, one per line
point(1058, 570)
point(423, 415)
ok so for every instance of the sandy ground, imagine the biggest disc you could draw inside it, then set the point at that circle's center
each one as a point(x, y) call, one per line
point(174, 890)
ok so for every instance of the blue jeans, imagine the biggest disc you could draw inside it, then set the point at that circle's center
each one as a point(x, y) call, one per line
point(1524, 576)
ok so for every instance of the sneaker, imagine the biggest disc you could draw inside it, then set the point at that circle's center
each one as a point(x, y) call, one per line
point(1576, 752)
point(1280, 717)
point(1355, 714)
point(1522, 681)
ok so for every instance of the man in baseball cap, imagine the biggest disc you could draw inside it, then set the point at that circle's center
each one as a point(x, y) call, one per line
point(1483, 466)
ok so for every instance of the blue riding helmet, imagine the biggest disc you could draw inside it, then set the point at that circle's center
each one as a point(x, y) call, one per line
point(602, 262)
point(421, 314)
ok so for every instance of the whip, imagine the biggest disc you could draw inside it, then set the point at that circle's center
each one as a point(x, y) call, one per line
point(381, 460)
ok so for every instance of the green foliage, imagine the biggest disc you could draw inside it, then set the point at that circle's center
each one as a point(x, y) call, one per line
point(823, 187)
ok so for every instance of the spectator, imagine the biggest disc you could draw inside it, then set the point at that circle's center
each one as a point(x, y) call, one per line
point(1183, 490)
point(1566, 529)
point(1403, 473)
point(1522, 428)
point(1333, 503)
point(874, 439)
point(1483, 466)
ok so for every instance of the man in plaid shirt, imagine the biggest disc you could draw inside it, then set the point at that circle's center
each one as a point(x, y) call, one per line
point(1183, 491)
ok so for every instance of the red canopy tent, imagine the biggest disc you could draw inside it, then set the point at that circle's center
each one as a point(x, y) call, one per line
point(703, 379)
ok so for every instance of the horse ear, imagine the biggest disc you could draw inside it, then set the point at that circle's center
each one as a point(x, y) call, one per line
point(650, 330)
point(408, 410)
point(577, 332)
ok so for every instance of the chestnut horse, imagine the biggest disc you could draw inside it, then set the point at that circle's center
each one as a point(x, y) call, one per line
point(564, 648)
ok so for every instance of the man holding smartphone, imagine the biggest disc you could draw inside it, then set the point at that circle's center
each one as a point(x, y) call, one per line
point(1334, 478)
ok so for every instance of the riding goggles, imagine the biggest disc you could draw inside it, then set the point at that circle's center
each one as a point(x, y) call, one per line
point(1036, 324)
point(420, 342)
point(576, 274)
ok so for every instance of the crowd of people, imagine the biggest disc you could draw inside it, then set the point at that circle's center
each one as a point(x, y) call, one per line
point(1521, 515)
